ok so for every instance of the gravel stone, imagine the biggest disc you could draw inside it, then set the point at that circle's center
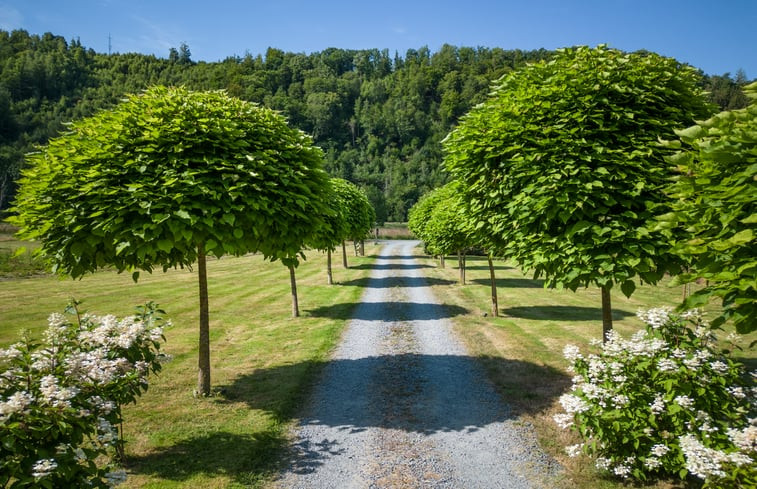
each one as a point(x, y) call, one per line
point(402, 405)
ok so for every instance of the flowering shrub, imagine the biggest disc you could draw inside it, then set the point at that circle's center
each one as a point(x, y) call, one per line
point(61, 397)
point(664, 403)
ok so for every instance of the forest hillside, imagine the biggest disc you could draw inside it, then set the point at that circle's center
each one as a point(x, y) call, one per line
point(378, 116)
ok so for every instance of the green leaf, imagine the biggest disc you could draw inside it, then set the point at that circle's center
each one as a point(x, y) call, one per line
point(628, 287)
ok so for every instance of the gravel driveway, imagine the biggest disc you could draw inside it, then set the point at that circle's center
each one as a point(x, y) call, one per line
point(401, 405)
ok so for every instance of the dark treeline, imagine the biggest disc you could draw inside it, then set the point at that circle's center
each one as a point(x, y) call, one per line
point(378, 116)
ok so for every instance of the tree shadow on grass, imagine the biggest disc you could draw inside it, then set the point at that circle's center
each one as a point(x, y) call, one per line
point(387, 311)
point(389, 282)
point(245, 458)
point(390, 266)
point(411, 392)
point(516, 283)
point(563, 313)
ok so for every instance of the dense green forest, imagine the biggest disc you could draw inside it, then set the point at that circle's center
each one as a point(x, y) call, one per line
point(379, 117)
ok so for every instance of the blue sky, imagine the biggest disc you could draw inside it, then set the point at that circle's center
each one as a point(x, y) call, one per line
point(716, 36)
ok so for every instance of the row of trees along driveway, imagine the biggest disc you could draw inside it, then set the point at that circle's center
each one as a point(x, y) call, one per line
point(562, 169)
point(165, 179)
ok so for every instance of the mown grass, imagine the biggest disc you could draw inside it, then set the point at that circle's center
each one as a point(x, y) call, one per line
point(263, 360)
point(16, 258)
point(522, 349)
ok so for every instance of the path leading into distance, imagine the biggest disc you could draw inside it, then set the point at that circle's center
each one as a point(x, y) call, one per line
point(402, 405)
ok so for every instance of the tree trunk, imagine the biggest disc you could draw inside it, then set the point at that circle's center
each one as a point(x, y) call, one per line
point(495, 305)
point(465, 264)
point(328, 267)
point(293, 282)
point(344, 254)
point(606, 312)
point(203, 376)
point(441, 261)
point(461, 268)
point(362, 247)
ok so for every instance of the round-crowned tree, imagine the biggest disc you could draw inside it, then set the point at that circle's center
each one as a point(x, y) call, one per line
point(358, 213)
point(715, 211)
point(563, 169)
point(166, 178)
point(336, 228)
point(446, 229)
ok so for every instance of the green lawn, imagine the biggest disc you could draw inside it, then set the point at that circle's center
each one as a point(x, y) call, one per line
point(263, 360)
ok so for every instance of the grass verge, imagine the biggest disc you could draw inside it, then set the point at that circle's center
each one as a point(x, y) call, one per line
point(522, 349)
point(263, 360)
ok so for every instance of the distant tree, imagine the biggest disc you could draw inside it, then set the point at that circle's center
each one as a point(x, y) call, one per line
point(563, 168)
point(173, 55)
point(358, 213)
point(447, 230)
point(185, 55)
point(166, 178)
point(715, 208)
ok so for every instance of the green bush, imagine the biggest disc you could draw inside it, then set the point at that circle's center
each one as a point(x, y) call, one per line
point(664, 403)
point(61, 398)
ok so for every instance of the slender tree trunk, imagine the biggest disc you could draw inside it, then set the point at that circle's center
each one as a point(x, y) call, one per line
point(441, 261)
point(362, 247)
point(495, 304)
point(344, 254)
point(465, 265)
point(293, 282)
point(328, 267)
point(606, 312)
point(461, 268)
point(203, 376)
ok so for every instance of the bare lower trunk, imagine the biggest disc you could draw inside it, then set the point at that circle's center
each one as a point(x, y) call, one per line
point(344, 254)
point(293, 283)
point(441, 261)
point(461, 268)
point(362, 247)
point(203, 376)
point(495, 305)
point(606, 312)
point(328, 267)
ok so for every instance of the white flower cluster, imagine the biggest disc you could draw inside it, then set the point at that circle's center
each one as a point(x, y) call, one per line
point(655, 317)
point(707, 462)
point(53, 394)
point(77, 371)
point(610, 381)
point(16, 403)
point(745, 439)
point(43, 468)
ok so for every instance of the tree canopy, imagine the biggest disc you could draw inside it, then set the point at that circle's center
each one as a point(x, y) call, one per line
point(715, 210)
point(562, 164)
point(167, 177)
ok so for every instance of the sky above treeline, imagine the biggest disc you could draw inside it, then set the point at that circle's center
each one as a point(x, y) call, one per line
point(714, 36)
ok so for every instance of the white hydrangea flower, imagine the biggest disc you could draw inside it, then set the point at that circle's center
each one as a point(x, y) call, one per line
point(16, 403)
point(573, 404)
point(603, 463)
point(745, 439)
point(701, 461)
point(574, 450)
point(659, 450)
point(571, 353)
point(719, 367)
point(652, 463)
point(655, 317)
point(666, 365)
point(43, 468)
point(563, 420)
point(684, 401)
